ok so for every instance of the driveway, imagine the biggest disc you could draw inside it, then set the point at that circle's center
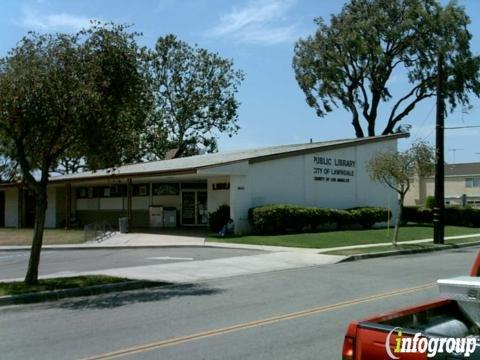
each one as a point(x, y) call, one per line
point(13, 264)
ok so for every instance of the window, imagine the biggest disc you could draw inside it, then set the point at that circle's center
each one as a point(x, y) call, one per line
point(221, 186)
point(472, 182)
point(141, 189)
point(165, 189)
point(82, 193)
point(194, 185)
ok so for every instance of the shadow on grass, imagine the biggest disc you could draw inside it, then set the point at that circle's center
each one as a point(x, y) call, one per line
point(118, 299)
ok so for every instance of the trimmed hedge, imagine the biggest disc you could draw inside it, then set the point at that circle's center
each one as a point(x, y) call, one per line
point(219, 218)
point(282, 218)
point(453, 216)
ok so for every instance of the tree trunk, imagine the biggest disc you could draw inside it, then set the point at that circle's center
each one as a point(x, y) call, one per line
point(40, 210)
point(371, 127)
point(356, 124)
point(398, 221)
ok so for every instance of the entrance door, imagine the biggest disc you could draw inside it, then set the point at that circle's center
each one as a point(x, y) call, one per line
point(194, 208)
point(202, 212)
point(188, 208)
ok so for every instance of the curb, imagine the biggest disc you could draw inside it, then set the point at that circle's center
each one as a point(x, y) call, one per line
point(133, 247)
point(408, 251)
point(75, 292)
point(113, 247)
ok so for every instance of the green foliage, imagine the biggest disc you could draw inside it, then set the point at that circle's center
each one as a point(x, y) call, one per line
point(397, 169)
point(351, 59)
point(369, 216)
point(416, 214)
point(453, 216)
point(219, 218)
point(194, 98)
point(281, 218)
point(430, 202)
point(18, 288)
point(62, 94)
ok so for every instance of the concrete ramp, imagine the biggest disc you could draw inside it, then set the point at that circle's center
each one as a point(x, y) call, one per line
point(192, 271)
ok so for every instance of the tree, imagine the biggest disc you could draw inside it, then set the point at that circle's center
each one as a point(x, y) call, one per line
point(194, 98)
point(397, 169)
point(350, 61)
point(61, 93)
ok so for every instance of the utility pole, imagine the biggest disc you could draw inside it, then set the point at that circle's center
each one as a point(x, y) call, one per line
point(438, 210)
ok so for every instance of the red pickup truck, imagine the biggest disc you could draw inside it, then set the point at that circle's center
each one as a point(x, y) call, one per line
point(425, 331)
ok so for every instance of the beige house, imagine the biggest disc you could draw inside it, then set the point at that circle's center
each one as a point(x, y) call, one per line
point(462, 186)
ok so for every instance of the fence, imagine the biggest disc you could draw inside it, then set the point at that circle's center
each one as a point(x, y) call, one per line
point(98, 231)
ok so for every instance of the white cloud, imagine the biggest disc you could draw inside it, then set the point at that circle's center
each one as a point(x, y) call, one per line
point(34, 20)
point(259, 21)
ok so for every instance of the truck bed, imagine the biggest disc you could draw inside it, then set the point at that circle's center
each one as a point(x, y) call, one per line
point(365, 339)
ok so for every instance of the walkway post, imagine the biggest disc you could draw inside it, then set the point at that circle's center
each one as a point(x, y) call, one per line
point(68, 205)
point(129, 203)
point(20, 215)
point(439, 208)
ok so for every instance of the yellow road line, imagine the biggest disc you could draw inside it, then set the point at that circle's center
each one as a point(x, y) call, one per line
point(267, 321)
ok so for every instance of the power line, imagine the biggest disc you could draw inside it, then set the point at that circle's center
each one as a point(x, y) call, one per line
point(461, 127)
point(423, 122)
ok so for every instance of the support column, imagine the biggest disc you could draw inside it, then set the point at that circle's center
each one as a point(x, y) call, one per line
point(129, 203)
point(68, 205)
point(20, 214)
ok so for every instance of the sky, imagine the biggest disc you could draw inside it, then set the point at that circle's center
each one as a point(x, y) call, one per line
point(259, 36)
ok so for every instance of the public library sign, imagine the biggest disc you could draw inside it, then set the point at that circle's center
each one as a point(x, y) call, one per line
point(334, 170)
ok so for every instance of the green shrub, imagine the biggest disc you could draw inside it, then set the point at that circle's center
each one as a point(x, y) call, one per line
point(462, 217)
point(369, 216)
point(219, 218)
point(282, 218)
point(430, 202)
point(417, 215)
point(455, 216)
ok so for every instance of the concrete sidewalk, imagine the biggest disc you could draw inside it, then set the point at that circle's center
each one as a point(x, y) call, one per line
point(141, 240)
point(194, 271)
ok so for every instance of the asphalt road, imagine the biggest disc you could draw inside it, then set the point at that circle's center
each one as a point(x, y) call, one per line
point(13, 264)
point(86, 327)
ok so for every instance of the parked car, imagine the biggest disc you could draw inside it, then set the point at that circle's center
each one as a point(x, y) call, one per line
point(420, 332)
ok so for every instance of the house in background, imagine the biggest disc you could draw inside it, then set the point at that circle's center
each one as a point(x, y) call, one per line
point(183, 191)
point(462, 186)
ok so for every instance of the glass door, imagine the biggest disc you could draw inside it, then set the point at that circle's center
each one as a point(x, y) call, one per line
point(194, 208)
point(202, 212)
point(188, 207)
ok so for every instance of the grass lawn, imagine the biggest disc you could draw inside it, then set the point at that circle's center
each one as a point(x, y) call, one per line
point(377, 249)
point(11, 236)
point(329, 239)
point(19, 287)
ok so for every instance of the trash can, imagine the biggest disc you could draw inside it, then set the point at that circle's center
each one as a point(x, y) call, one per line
point(123, 225)
point(169, 216)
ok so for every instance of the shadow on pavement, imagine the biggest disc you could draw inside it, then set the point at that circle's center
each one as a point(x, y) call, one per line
point(115, 300)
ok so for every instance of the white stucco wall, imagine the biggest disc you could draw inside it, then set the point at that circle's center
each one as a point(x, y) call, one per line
point(240, 201)
point(51, 215)
point(292, 180)
point(215, 198)
point(11, 207)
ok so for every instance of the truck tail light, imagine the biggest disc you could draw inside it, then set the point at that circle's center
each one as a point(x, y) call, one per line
point(348, 352)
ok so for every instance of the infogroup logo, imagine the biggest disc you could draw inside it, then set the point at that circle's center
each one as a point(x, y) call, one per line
point(431, 346)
